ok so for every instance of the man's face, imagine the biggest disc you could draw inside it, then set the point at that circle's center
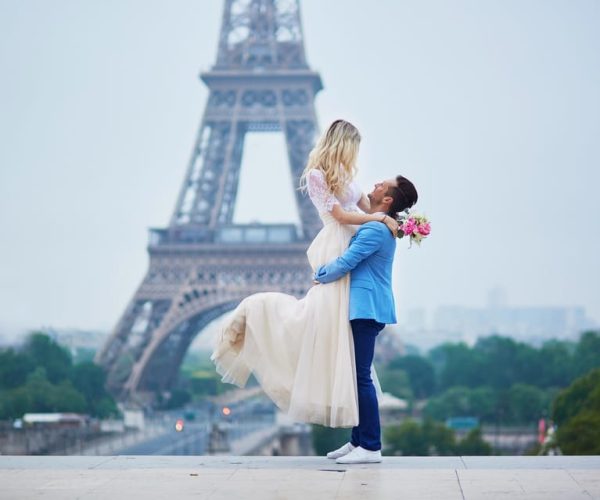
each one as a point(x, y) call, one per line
point(380, 191)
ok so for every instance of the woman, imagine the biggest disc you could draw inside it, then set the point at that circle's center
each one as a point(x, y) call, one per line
point(301, 351)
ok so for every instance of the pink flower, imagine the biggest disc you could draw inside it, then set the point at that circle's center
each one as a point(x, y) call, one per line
point(409, 227)
point(424, 229)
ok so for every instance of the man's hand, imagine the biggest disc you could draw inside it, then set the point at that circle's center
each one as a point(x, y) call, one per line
point(315, 282)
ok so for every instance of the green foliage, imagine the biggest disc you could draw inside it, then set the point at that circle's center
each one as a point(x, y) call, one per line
point(441, 439)
point(89, 379)
point(200, 378)
point(457, 365)
point(587, 353)
point(177, 399)
point(197, 361)
point(420, 374)
point(454, 402)
point(581, 434)
point(576, 410)
point(483, 403)
point(522, 403)
point(14, 368)
point(40, 395)
point(46, 353)
point(42, 378)
point(431, 438)
point(583, 394)
point(463, 401)
point(395, 382)
point(557, 366)
point(473, 444)
point(405, 439)
point(527, 403)
point(326, 439)
point(512, 361)
point(504, 381)
point(501, 362)
point(83, 355)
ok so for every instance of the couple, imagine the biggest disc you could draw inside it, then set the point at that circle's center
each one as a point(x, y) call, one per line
point(313, 356)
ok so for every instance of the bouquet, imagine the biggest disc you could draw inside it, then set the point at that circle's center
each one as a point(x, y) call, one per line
point(415, 226)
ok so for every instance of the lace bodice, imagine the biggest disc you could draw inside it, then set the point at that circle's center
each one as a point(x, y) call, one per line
point(324, 200)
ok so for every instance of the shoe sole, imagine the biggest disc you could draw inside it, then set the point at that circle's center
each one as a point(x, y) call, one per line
point(361, 462)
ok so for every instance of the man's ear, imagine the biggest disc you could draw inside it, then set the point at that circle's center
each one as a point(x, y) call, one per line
point(388, 200)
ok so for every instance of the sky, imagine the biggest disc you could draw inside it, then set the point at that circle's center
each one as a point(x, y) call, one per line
point(492, 108)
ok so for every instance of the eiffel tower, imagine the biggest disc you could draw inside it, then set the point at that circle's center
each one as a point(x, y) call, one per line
point(202, 265)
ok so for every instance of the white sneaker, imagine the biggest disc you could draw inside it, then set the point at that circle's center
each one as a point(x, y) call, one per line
point(360, 456)
point(340, 452)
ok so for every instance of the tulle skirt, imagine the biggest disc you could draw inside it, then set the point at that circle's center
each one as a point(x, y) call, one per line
point(300, 350)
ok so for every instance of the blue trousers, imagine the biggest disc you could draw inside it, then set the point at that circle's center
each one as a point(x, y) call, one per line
point(367, 434)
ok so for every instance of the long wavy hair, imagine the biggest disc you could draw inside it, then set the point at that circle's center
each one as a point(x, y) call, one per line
point(335, 155)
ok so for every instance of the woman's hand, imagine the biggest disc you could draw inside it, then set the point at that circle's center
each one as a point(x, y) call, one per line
point(392, 225)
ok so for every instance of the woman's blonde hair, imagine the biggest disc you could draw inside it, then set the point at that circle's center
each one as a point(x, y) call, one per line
point(335, 155)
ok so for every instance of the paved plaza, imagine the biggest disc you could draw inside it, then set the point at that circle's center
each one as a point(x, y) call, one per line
point(305, 478)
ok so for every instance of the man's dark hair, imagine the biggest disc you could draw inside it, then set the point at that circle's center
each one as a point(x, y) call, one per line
point(404, 194)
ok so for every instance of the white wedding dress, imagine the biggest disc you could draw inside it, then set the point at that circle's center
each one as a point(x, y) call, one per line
point(300, 350)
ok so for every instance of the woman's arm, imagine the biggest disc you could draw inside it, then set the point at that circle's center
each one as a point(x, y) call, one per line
point(356, 218)
point(324, 200)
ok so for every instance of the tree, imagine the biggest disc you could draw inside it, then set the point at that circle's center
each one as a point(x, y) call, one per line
point(582, 394)
point(473, 444)
point(326, 439)
point(420, 374)
point(482, 403)
point(576, 410)
point(413, 439)
point(395, 382)
point(14, 368)
point(457, 365)
point(65, 398)
point(527, 403)
point(581, 434)
point(41, 377)
point(406, 439)
point(556, 364)
point(455, 402)
point(511, 361)
point(177, 399)
point(48, 354)
point(587, 353)
point(14, 403)
point(39, 395)
point(440, 439)
point(89, 379)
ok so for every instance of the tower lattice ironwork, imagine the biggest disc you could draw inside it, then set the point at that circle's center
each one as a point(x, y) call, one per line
point(203, 264)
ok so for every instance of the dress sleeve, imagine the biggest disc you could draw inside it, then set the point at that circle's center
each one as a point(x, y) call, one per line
point(319, 193)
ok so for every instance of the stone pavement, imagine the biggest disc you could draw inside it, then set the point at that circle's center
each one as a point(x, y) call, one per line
point(305, 478)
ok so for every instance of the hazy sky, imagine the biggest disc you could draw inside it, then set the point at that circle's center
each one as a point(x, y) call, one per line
point(492, 108)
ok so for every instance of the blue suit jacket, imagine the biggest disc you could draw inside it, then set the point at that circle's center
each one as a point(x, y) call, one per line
point(369, 258)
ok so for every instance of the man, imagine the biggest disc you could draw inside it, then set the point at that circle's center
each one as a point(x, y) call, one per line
point(369, 259)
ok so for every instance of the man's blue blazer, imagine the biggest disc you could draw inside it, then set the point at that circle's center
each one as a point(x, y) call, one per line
point(369, 259)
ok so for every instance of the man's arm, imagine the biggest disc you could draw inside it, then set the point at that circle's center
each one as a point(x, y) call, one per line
point(367, 241)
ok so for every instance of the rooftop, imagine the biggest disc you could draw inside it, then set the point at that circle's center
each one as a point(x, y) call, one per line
point(246, 478)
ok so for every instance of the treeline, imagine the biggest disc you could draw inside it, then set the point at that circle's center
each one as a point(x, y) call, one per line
point(41, 377)
point(409, 438)
point(576, 412)
point(498, 380)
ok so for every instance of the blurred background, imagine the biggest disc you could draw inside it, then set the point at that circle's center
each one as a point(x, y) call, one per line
point(492, 109)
